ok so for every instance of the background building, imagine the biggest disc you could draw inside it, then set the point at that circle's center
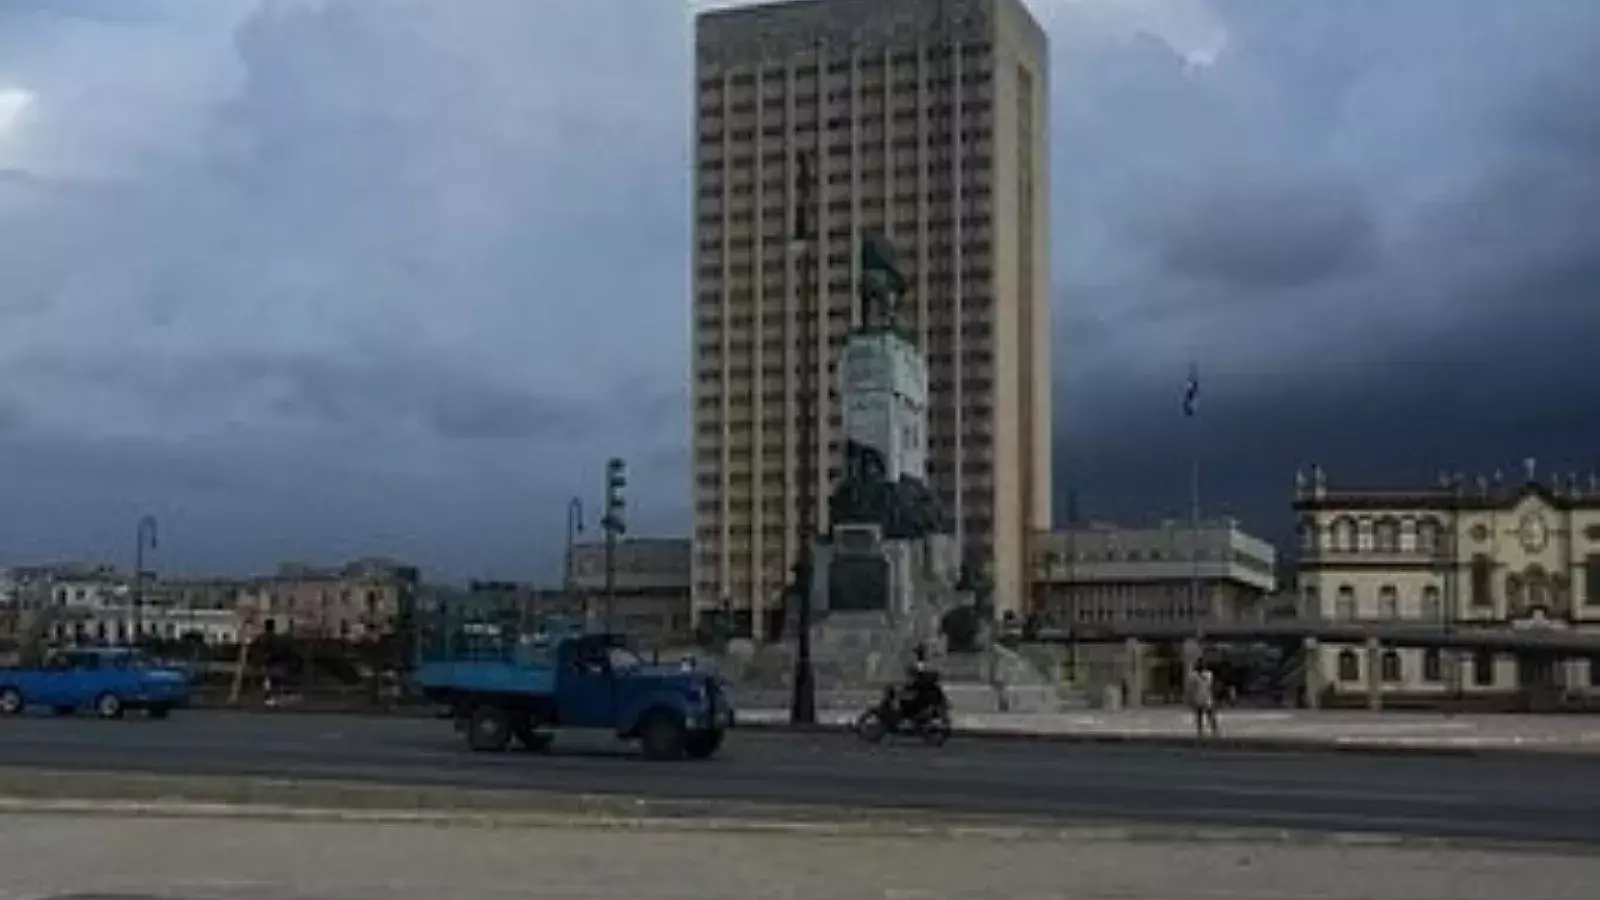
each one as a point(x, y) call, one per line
point(652, 588)
point(1522, 552)
point(927, 121)
point(360, 600)
point(1102, 574)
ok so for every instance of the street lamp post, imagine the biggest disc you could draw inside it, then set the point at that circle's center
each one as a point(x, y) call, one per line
point(803, 701)
point(144, 535)
point(614, 523)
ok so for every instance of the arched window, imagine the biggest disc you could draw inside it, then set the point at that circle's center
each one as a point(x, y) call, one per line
point(1310, 602)
point(1428, 534)
point(1432, 605)
point(1392, 668)
point(1349, 666)
point(1537, 584)
point(1483, 668)
point(1432, 665)
point(1482, 575)
point(1386, 535)
point(1345, 535)
point(1345, 605)
point(1388, 602)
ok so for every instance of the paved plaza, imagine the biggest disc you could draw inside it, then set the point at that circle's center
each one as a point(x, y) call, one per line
point(60, 856)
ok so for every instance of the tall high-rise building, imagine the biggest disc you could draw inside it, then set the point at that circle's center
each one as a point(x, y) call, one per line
point(925, 121)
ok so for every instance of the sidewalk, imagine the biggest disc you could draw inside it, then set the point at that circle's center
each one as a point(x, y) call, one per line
point(1275, 729)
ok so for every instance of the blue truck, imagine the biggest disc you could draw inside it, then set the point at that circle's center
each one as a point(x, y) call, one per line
point(110, 681)
point(525, 687)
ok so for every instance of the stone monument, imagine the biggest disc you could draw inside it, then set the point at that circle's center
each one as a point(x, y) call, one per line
point(886, 573)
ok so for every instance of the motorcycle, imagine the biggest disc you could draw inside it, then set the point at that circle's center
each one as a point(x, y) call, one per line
point(915, 710)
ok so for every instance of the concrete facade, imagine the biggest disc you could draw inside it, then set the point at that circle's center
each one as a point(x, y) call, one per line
point(1522, 552)
point(928, 123)
point(1103, 574)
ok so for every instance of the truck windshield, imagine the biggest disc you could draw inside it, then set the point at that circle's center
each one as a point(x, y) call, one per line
point(622, 659)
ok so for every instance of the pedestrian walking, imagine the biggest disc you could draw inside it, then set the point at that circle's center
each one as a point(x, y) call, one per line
point(1203, 699)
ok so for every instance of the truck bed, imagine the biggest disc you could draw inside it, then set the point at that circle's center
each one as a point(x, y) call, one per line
point(489, 677)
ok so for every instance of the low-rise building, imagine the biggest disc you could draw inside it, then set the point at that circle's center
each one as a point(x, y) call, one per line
point(359, 601)
point(1519, 552)
point(651, 583)
point(1172, 573)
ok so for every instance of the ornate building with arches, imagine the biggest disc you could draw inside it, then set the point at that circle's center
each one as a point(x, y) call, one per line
point(1521, 552)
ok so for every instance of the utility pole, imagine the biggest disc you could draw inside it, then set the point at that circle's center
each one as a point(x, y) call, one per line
point(143, 535)
point(614, 524)
point(803, 701)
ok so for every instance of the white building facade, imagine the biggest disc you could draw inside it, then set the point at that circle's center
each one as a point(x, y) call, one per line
point(1469, 552)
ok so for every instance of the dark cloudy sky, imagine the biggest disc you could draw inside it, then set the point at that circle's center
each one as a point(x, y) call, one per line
point(318, 278)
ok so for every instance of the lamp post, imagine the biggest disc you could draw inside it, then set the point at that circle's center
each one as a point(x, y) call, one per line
point(614, 523)
point(143, 535)
point(574, 528)
point(803, 701)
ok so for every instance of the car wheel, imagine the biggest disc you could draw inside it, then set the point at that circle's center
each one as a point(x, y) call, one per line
point(662, 736)
point(488, 729)
point(108, 706)
point(527, 733)
point(704, 744)
point(10, 701)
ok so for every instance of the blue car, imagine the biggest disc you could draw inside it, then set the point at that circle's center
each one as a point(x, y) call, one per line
point(109, 681)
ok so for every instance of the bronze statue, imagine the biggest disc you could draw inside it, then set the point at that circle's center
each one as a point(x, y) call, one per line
point(882, 282)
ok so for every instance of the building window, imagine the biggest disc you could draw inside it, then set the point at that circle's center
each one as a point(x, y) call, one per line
point(1345, 605)
point(1388, 602)
point(1311, 602)
point(1483, 668)
point(1432, 605)
point(1591, 579)
point(1594, 671)
point(1345, 535)
point(1482, 581)
point(1391, 668)
point(1349, 666)
point(1432, 665)
point(1386, 536)
point(1427, 535)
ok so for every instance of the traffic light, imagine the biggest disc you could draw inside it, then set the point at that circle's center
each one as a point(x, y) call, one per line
point(616, 506)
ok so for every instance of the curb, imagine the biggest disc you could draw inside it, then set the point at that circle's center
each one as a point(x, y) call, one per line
point(1225, 744)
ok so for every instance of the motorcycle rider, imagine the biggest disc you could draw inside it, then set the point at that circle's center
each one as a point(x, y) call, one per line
point(921, 691)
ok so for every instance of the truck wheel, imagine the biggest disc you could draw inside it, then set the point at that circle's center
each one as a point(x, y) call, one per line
point(663, 736)
point(10, 701)
point(488, 729)
point(526, 731)
point(108, 706)
point(704, 744)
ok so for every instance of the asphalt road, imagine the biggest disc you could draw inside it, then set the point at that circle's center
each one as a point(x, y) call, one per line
point(1531, 798)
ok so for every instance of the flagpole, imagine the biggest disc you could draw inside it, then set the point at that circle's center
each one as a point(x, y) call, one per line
point(1191, 395)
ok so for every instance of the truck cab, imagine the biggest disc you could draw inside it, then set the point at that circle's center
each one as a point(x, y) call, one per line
point(536, 684)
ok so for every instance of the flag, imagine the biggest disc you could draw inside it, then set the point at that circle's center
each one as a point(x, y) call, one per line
point(1191, 391)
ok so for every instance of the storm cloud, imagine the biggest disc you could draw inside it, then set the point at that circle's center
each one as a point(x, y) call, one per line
point(311, 278)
